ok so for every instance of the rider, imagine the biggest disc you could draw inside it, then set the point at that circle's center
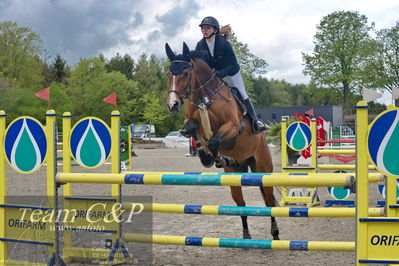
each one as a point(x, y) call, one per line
point(224, 61)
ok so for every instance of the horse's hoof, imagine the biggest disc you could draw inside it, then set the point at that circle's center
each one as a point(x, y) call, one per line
point(274, 231)
point(246, 234)
point(207, 161)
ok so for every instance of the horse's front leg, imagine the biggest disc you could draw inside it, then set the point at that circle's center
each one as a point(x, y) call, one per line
point(191, 127)
point(224, 139)
point(213, 146)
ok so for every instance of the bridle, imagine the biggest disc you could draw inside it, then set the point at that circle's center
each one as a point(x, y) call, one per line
point(187, 90)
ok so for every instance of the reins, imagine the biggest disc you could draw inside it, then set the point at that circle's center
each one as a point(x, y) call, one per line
point(188, 93)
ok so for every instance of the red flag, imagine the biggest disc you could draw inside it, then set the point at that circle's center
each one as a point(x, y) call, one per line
point(110, 99)
point(44, 94)
point(310, 112)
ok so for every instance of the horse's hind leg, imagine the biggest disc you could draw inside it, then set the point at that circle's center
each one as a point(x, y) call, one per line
point(267, 194)
point(236, 194)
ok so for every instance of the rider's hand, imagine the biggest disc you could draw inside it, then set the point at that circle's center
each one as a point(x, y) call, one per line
point(220, 74)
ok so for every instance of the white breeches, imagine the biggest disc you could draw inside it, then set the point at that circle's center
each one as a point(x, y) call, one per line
point(236, 81)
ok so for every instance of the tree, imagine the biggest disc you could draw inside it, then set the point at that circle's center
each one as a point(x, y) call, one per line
point(59, 69)
point(125, 65)
point(271, 93)
point(250, 65)
point(154, 111)
point(90, 83)
point(338, 55)
point(57, 72)
point(381, 69)
point(20, 51)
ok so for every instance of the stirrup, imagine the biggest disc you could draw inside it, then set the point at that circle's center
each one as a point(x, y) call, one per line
point(185, 133)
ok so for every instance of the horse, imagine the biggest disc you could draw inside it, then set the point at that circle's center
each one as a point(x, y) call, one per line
point(215, 120)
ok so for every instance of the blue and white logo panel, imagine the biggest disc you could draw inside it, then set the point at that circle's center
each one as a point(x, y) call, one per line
point(383, 142)
point(298, 136)
point(90, 142)
point(25, 144)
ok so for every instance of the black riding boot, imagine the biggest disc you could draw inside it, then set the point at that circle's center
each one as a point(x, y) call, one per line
point(257, 124)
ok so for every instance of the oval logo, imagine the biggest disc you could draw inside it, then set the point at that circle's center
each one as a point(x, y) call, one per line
point(339, 193)
point(383, 142)
point(25, 144)
point(90, 142)
point(298, 136)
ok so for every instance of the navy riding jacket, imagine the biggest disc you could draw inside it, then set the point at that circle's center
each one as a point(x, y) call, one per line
point(223, 60)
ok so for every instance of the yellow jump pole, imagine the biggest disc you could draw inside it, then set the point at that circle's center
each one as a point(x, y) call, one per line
point(341, 167)
point(241, 243)
point(342, 152)
point(162, 178)
point(295, 212)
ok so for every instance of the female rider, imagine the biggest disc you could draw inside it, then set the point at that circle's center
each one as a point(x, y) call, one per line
point(224, 61)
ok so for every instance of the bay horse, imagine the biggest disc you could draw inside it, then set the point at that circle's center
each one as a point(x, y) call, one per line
point(224, 137)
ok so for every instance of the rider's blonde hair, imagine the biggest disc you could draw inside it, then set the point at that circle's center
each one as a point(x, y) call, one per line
point(225, 31)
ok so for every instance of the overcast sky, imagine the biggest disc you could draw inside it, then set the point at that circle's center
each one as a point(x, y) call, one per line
point(277, 31)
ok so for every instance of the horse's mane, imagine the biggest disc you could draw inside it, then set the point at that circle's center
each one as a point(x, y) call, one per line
point(200, 56)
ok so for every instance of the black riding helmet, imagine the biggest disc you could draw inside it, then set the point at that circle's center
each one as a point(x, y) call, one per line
point(211, 21)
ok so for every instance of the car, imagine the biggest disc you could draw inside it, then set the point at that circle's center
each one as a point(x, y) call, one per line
point(175, 139)
point(174, 134)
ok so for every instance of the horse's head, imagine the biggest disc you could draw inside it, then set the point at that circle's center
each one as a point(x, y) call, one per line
point(179, 76)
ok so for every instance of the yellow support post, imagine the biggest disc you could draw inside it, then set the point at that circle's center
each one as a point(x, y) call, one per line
point(129, 146)
point(50, 159)
point(66, 167)
point(116, 163)
point(3, 190)
point(51, 162)
point(362, 201)
point(66, 150)
point(313, 143)
point(284, 194)
point(283, 143)
point(315, 200)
